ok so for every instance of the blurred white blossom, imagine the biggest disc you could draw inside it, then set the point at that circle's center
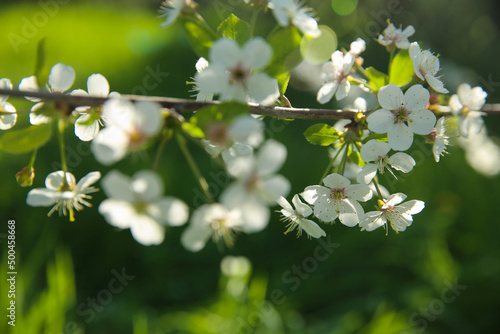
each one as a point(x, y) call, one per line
point(137, 204)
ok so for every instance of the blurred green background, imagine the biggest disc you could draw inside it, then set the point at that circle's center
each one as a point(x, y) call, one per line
point(440, 276)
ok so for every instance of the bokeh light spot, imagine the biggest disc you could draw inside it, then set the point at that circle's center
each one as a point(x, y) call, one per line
point(318, 50)
point(344, 7)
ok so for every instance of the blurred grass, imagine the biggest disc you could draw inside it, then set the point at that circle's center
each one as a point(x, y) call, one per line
point(370, 284)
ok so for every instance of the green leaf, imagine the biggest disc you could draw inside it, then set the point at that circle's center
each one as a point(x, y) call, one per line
point(321, 134)
point(376, 78)
point(401, 70)
point(200, 37)
point(193, 130)
point(25, 140)
point(286, 51)
point(356, 158)
point(40, 63)
point(235, 29)
point(283, 80)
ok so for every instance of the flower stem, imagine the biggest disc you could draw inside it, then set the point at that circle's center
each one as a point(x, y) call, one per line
point(344, 160)
point(375, 183)
point(391, 58)
point(61, 125)
point(253, 20)
point(327, 170)
point(194, 168)
point(32, 159)
point(165, 137)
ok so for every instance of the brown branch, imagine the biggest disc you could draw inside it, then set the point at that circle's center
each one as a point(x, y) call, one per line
point(186, 105)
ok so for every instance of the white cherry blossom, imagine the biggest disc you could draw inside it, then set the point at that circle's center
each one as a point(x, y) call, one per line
point(244, 129)
point(61, 78)
point(467, 104)
point(170, 11)
point(137, 204)
point(358, 46)
point(62, 191)
point(211, 220)
point(393, 37)
point(87, 125)
point(257, 186)
point(337, 199)
point(334, 75)
point(426, 66)
point(402, 115)
point(296, 218)
point(440, 139)
point(377, 152)
point(8, 115)
point(234, 73)
point(289, 12)
point(128, 127)
point(399, 216)
point(201, 95)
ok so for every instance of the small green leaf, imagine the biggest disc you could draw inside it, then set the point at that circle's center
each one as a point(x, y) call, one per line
point(321, 134)
point(376, 78)
point(200, 37)
point(401, 69)
point(235, 29)
point(283, 80)
point(286, 51)
point(193, 130)
point(356, 158)
point(40, 63)
point(26, 140)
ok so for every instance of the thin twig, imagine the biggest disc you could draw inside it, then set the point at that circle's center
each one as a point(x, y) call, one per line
point(186, 105)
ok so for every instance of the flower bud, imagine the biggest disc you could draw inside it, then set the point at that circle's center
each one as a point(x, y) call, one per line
point(26, 176)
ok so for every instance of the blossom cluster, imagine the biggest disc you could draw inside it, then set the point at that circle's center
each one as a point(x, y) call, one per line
point(238, 70)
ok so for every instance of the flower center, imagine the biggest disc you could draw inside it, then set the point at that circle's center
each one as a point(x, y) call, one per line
point(338, 193)
point(252, 182)
point(218, 134)
point(239, 74)
point(137, 139)
point(401, 115)
point(140, 207)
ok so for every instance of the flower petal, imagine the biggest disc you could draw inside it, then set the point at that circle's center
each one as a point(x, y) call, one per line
point(262, 88)
point(195, 237)
point(390, 97)
point(110, 145)
point(87, 181)
point(271, 157)
point(226, 53)
point(325, 209)
point(326, 92)
point(302, 209)
point(148, 115)
point(147, 186)
point(359, 192)
point(117, 213)
point(413, 207)
point(394, 200)
point(55, 179)
point(402, 162)
point(274, 187)
point(416, 98)
point(42, 197)
point(97, 85)
point(312, 193)
point(311, 228)
point(257, 53)
point(147, 231)
point(374, 149)
point(61, 77)
point(174, 212)
point(367, 173)
point(117, 186)
point(422, 121)
point(400, 137)
point(336, 181)
point(380, 121)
